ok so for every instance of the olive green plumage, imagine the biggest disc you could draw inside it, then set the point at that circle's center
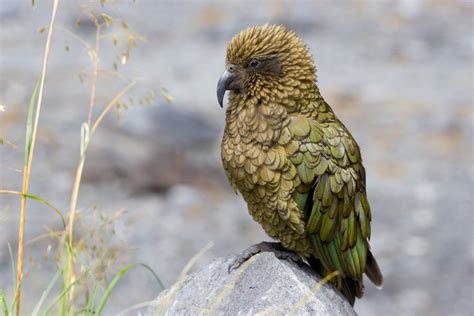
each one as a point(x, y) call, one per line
point(296, 165)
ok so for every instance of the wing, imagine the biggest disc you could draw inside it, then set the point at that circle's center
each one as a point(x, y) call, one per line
point(332, 192)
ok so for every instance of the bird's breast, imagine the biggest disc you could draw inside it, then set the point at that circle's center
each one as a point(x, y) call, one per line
point(251, 131)
point(241, 160)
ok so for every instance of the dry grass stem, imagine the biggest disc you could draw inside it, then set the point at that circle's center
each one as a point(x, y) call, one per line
point(85, 139)
point(134, 307)
point(27, 167)
point(109, 106)
point(76, 37)
point(95, 70)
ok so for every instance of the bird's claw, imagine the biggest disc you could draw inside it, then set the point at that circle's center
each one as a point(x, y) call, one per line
point(265, 246)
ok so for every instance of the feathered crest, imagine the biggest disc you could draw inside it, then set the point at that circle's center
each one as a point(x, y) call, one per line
point(265, 41)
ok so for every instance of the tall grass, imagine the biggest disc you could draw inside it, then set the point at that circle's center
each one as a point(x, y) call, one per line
point(68, 256)
point(31, 132)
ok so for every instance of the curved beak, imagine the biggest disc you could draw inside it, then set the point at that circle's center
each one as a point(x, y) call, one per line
point(224, 84)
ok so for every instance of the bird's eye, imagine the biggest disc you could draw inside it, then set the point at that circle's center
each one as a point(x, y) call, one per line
point(254, 63)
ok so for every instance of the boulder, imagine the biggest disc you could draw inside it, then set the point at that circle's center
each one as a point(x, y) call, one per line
point(263, 285)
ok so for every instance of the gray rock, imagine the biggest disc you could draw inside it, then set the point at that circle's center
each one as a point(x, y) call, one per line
point(264, 285)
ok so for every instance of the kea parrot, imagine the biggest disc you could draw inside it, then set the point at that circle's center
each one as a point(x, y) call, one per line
point(295, 163)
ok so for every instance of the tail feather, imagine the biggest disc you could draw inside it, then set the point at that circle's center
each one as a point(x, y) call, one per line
point(372, 270)
point(349, 288)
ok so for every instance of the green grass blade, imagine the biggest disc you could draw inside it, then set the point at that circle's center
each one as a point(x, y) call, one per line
point(111, 286)
point(62, 310)
point(90, 310)
point(158, 280)
point(15, 299)
point(46, 293)
point(119, 275)
point(12, 262)
point(63, 294)
point(3, 302)
point(37, 198)
point(55, 209)
point(29, 124)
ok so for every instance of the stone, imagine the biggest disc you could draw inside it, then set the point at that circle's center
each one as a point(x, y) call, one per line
point(263, 285)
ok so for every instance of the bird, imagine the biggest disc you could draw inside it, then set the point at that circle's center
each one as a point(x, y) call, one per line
point(294, 162)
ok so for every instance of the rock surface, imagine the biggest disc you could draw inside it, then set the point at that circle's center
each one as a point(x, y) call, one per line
point(263, 285)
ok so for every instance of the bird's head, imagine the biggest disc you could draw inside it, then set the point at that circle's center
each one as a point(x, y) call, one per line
point(264, 60)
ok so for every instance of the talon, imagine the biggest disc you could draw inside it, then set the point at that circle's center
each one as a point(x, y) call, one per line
point(275, 247)
point(235, 265)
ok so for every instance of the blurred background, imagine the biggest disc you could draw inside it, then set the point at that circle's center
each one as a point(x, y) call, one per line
point(398, 73)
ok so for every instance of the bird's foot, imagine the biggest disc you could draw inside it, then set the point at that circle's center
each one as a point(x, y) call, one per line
point(264, 246)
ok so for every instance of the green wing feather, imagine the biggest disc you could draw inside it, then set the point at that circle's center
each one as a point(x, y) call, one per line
point(338, 214)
